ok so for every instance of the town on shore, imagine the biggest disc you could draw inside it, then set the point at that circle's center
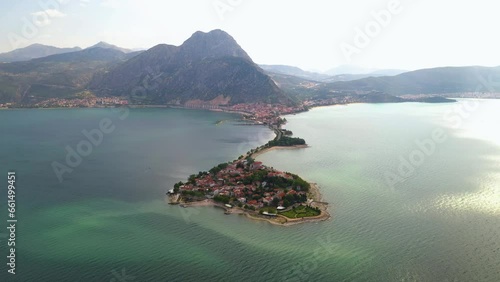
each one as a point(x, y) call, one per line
point(249, 187)
point(246, 186)
point(243, 186)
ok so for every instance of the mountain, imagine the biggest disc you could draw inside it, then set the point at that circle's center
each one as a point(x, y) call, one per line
point(86, 55)
point(280, 72)
point(125, 76)
point(34, 51)
point(348, 69)
point(429, 81)
point(427, 85)
point(105, 45)
point(211, 69)
point(62, 75)
point(348, 77)
point(208, 68)
point(387, 72)
point(355, 70)
point(214, 44)
point(295, 71)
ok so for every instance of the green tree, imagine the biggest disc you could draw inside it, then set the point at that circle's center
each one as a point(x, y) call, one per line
point(275, 202)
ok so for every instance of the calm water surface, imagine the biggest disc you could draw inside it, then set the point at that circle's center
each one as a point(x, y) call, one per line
point(108, 220)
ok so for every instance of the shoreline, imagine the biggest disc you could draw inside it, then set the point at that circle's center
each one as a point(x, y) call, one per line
point(133, 106)
point(280, 220)
point(261, 152)
point(240, 112)
point(315, 198)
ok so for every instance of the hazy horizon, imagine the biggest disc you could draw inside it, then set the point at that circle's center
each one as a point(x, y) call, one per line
point(315, 35)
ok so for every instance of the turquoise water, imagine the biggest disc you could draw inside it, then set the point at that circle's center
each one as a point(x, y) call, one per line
point(108, 219)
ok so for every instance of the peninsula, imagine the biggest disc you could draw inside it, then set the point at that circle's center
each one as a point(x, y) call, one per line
point(248, 187)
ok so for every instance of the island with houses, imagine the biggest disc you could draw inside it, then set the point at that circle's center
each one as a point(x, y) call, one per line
point(248, 187)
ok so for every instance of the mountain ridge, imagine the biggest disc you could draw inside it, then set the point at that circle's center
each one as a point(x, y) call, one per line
point(442, 80)
point(34, 51)
point(206, 67)
point(211, 68)
point(105, 45)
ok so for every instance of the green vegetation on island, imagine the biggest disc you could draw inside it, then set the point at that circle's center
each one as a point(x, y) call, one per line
point(245, 182)
point(286, 141)
point(301, 212)
point(251, 187)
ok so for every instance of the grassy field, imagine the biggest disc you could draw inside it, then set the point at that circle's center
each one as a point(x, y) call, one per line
point(268, 209)
point(300, 212)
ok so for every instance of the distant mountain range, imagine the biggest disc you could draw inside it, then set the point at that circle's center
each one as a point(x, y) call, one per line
point(355, 70)
point(211, 69)
point(446, 80)
point(208, 68)
point(342, 73)
point(295, 71)
point(105, 45)
point(56, 76)
point(34, 51)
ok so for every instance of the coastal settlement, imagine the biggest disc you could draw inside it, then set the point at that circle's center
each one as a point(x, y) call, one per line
point(246, 186)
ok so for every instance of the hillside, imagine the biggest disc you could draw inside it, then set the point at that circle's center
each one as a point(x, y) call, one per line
point(429, 81)
point(34, 51)
point(211, 69)
point(421, 85)
point(105, 45)
point(56, 76)
point(207, 68)
point(283, 71)
point(293, 71)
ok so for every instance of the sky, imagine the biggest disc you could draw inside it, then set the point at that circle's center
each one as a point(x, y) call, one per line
point(313, 34)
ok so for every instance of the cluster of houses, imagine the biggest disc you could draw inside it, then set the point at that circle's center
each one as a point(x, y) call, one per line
point(266, 113)
point(246, 182)
point(236, 181)
point(83, 102)
point(340, 100)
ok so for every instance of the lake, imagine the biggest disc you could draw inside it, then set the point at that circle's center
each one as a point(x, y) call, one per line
point(414, 193)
